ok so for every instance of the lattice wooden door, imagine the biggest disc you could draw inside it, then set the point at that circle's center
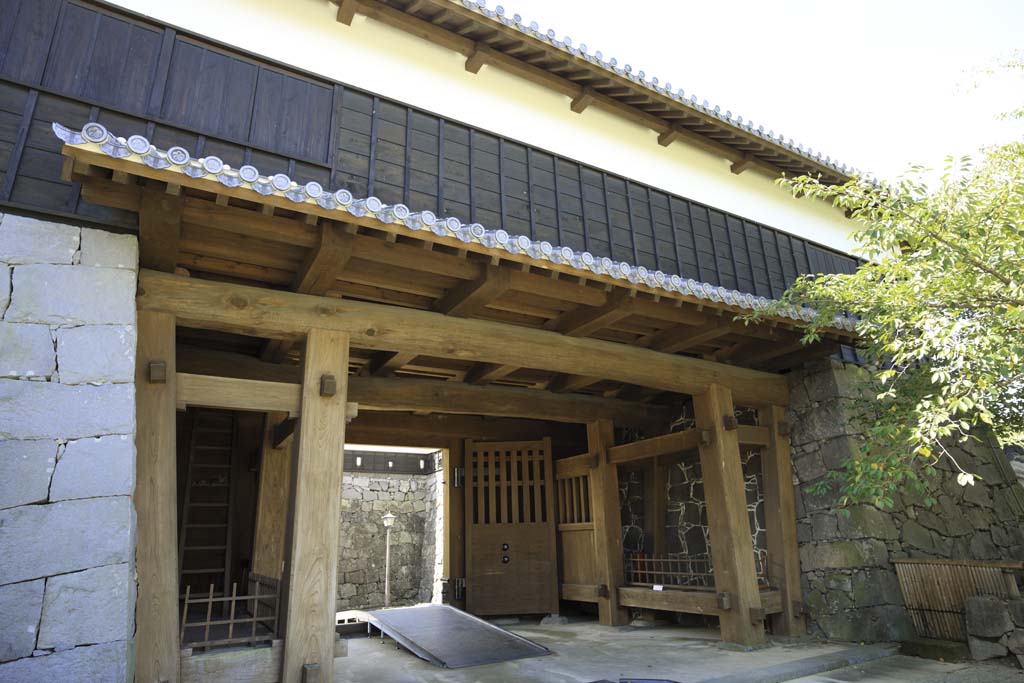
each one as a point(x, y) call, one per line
point(511, 563)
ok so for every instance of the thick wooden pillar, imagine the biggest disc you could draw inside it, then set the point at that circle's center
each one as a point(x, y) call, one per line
point(732, 549)
point(780, 521)
point(157, 650)
point(316, 504)
point(604, 488)
point(272, 501)
point(455, 520)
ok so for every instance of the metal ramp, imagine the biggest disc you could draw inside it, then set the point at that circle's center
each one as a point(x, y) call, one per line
point(447, 637)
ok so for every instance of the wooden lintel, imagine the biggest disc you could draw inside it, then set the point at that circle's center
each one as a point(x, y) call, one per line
point(801, 355)
point(347, 11)
point(469, 297)
point(243, 394)
point(159, 229)
point(437, 431)
point(750, 435)
point(275, 314)
point(583, 100)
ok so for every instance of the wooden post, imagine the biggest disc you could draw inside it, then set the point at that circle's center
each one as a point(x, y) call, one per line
point(157, 656)
point(604, 486)
point(316, 504)
point(732, 549)
point(272, 501)
point(780, 522)
point(454, 519)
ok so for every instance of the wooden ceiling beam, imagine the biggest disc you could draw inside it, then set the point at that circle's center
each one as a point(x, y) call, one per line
point(394, 429)
point(385, 363)
point(585, 320)
point(566, 383)
point(469, 297)
point(583, 100)
point(347, 11)
point(485, 373)
point(275, 314)
point(682, 337)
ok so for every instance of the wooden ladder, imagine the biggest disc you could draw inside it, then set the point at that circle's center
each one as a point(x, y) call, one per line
point(204, 551)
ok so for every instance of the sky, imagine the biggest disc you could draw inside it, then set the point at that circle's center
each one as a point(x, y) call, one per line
point(877, 84)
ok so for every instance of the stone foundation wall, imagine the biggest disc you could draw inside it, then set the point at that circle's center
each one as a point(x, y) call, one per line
point(366, 497)
point(849, 584)
point(67, 452)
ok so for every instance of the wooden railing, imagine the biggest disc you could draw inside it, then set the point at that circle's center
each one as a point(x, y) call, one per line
point(213, 619)
point(935, 591)
point(675, 571)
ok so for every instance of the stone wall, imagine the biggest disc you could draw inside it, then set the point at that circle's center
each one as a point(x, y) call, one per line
point(366, 497)
point(67, 452)
point(849, 584)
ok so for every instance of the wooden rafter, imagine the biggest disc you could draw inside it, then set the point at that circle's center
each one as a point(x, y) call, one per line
point(584, 321)
point(469, 297)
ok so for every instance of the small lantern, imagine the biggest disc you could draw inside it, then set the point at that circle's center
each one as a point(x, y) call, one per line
point(388, 520)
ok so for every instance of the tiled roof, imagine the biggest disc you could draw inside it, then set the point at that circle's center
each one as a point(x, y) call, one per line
point(639, 76)
point(248, 177)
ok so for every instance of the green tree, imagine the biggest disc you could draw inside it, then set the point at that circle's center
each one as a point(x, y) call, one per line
point(940, 304)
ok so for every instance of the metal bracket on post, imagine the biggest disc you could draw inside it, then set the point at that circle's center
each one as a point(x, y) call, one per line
point(458, 477)
point(756, 615)
point(725, 601)
point(310, 673)
point(784, 428)
point(157, 372)
point(729, 422)
point(328, 385)
point(602, 591)
point(705, 437)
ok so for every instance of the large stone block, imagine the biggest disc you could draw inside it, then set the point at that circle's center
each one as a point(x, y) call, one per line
point(26, 351)
point(93, 606)
point(94, 467)
point(28, 240)
point(987, 616)
point(106, 663)
point(96, 354)
point(916, 536)
point(25, 470)
point(843, 555)
point(44, 540)
point(985, 649)
point(46, 410)
point(109, 250)
point(20, 605)
point(865, 521)
point(72, 295)
point(1016, 608)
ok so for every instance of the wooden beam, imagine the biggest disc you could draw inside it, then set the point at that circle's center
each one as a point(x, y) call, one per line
point(687, 602)
point(385, 363)
point(604, 494)
point(780, 522)
point(743, 164)
point(202, 361)
point(567, 383)
point(157, 650)
point(469, 297)
point(437, 431)
point(749, 435)
point(476, 60)
point(159, 229)
point(268, 547)
point(313, 558)
point(347, 11)
point(667, 444)
point(583, 100)
point(268, 313)
point(732, 549)
point(410, 395)
point(683, 337)
point(319, 272)
point(585, 320)
point(485, 373)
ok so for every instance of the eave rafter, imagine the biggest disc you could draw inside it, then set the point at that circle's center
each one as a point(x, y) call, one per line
point(485, 37)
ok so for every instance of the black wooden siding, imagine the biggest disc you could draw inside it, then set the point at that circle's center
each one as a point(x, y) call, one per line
point(70, 61)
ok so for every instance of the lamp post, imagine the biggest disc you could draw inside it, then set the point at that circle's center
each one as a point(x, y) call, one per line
point(388, 520)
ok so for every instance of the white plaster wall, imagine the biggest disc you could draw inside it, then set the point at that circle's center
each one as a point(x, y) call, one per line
point(395, 64)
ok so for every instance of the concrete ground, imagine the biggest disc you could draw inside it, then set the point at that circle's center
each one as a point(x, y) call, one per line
point(583, 652)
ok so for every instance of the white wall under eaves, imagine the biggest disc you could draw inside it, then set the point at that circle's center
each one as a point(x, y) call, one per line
point(397, 65)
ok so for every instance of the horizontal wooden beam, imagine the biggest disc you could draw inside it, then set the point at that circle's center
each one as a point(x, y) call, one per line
point(579, 592)
point(275, 314)
point(750, 435)
point(688, 601)
point(667, 444)
point(244, 383)
point(437, 431)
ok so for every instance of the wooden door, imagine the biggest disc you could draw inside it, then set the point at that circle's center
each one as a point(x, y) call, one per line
point(511, 565)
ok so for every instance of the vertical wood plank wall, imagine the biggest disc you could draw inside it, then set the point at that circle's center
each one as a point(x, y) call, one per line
point(607, 522)
point(157, 657)
point(732, 549)
point(780, 523)
point(272, 501)
point(313, 558)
